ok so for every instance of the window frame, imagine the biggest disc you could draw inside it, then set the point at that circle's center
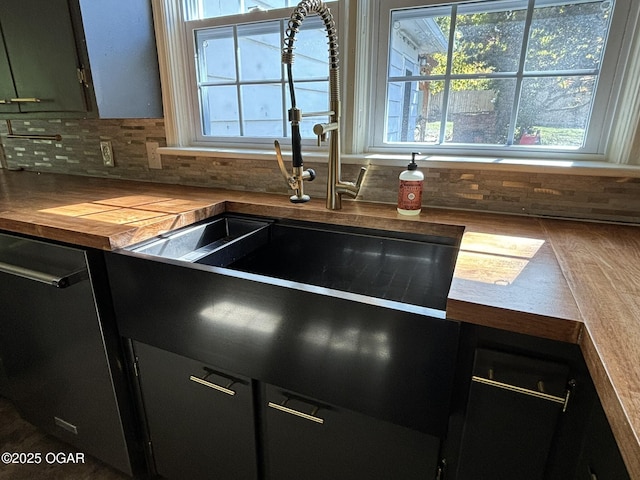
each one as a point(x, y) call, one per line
point(177, 52)
point(604, 106)
point(359, 37)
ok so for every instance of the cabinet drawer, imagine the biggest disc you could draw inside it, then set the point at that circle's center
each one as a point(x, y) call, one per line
point(200, 419)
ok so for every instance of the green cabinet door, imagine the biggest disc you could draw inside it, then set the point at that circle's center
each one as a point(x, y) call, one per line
point(7, 90)
point(41, 48)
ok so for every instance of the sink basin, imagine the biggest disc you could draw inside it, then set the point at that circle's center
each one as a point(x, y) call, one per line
point(210, 237)
point(404, 267)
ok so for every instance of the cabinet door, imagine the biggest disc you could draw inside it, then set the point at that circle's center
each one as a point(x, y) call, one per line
point(513, 409)
point(200, 419)
point(42, 51)
point(306, 439)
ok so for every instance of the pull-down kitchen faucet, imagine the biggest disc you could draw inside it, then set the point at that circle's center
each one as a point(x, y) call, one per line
point(336, 187)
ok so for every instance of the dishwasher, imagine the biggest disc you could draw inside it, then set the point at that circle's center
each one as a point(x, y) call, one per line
point(59, 353)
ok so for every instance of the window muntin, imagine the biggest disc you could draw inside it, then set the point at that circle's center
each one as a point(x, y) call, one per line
point(494, 73)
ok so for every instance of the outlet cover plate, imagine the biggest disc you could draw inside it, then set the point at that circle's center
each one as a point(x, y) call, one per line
point(153, 156)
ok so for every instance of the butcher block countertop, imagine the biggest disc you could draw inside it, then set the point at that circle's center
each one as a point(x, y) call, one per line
point(565, 280)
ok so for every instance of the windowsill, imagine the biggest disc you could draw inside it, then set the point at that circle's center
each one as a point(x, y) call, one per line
point(566, 167)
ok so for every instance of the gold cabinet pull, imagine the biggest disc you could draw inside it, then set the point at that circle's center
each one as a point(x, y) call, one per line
point(25, 100)
point(215, 386)
point(307, 416)
point(526, 391)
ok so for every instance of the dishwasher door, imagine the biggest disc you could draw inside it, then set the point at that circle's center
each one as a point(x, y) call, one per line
point(52, 348)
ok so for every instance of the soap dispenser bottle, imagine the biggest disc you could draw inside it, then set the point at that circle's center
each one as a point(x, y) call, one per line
point(410, 190)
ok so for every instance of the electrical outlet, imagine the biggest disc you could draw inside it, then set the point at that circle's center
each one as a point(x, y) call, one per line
point(107, 154)
point(153, 156)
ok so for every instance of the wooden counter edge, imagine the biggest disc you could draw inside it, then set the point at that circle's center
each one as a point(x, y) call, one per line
point(553, 328)
point(626, 438)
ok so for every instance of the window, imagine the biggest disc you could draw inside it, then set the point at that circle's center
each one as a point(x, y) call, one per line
point(550, 79)
point(498, 73)
point(240, 87)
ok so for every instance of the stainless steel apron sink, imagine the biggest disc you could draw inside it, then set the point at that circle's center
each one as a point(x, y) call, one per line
point(353, 317)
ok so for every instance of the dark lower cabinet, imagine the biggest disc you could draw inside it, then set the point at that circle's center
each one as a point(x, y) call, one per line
point(202, 424)
point(307, 439)
point(200, 420)
point(600, 458)
point(526, 408)
point(513, 409)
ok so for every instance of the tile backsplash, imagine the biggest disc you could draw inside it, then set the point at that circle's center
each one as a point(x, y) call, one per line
point(611, 198)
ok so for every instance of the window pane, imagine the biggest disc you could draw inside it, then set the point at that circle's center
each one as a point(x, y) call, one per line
point(400, 111)
point(568, 37)
point(428, 122)
point(262, 107)
point(260, 81)
point(487, 42)
point(554, 111)
point(311, 52)
point(481, 110)
point(414, 111)
point(220, 111)
point(259, 46)
point(216, 55)
point(310, 97)
point(419, 42)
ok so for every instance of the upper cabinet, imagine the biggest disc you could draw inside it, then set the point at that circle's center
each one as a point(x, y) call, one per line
point(78, 58)
point(40, 53)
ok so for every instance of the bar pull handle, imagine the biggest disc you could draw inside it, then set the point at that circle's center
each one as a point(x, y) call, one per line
point(203, 381)
point(307, 416)
point(25, 100)
point(564, 401)
point(29, 136)
point(42, 277)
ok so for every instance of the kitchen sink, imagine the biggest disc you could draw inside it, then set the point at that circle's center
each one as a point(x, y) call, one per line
point(404, 267)
point(354, 317)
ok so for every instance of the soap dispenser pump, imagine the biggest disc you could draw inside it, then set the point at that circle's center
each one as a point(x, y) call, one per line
point(410, 190)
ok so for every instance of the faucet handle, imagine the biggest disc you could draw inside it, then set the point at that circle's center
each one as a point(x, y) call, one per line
point(360, 179)
point(290, 179)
